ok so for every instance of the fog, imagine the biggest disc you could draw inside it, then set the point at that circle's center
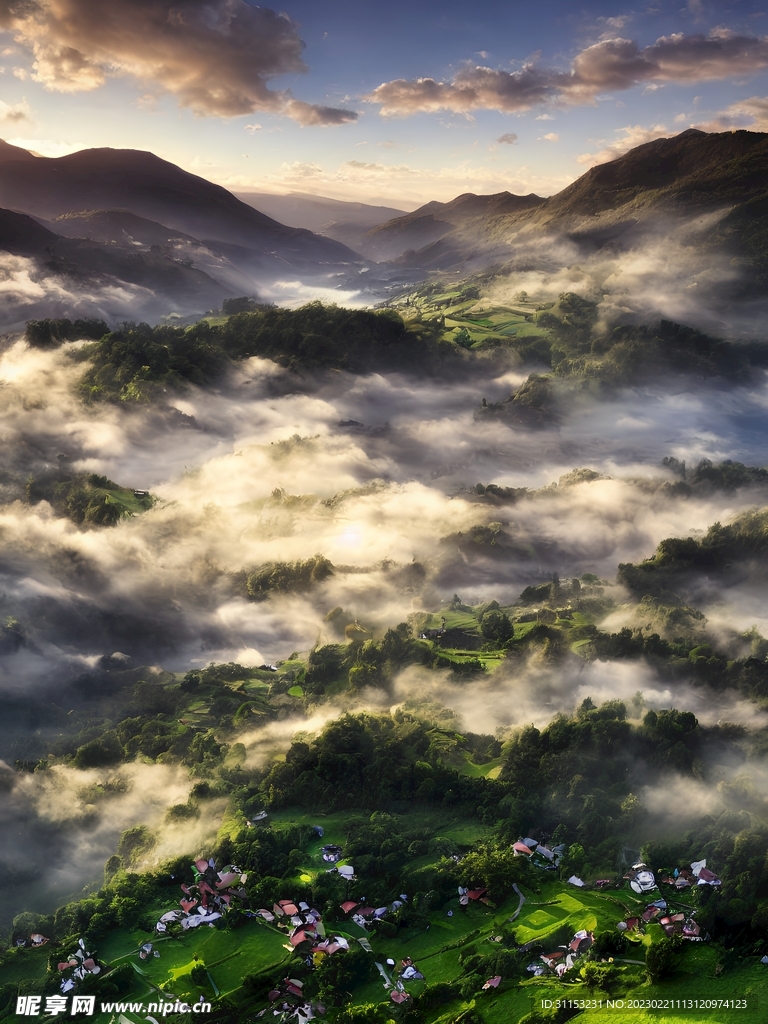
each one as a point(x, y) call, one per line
point(374, 472)
point(60, 826)
point(269, 465)
point(637, 265)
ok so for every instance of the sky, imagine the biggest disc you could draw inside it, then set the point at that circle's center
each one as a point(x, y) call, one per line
point(397, 103)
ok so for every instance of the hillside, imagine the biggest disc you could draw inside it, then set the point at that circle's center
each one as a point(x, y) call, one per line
point(145, 185)
point(142, 274)
point(435, 220)
point(691, 171)
point(118, 227)
point(651, 188)
point(21, 235)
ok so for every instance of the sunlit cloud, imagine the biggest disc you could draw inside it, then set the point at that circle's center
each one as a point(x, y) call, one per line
point(608, 65)
point(216, 59)
point(629, 137)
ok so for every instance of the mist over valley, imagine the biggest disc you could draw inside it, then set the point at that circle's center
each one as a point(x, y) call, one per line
point(441, 531)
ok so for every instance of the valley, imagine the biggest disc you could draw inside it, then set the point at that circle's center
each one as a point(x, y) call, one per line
point(382, 625)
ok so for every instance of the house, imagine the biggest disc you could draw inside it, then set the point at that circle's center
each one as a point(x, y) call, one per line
point(641, 878)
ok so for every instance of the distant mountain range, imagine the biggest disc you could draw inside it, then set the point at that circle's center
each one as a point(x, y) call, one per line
point(662, 182)
point(124, 217)
point(436, 220)
point(142, 183)
point(346, 222)
point(127, 234)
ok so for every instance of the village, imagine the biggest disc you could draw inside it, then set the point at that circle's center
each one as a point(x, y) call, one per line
point(635, 901)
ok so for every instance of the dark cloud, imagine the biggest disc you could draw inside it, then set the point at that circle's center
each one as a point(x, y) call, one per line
point(508, 138)
point(216, 57)
point(610, 64)
point(314, 114)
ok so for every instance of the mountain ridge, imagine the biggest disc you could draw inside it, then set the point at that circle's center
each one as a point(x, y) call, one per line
point(158, 190)
point(663, 181)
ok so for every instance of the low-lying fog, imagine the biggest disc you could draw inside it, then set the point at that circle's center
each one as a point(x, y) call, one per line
point(271, 465)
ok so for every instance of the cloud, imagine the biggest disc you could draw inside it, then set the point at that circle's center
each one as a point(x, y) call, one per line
point(748, 113)
point(307, 114)
point(551, 137)
point(299, 169)
point(59, 826)
point(631, 136)
point(611, 26)
point(608, 65)
point(216, 57)
point(473, 88)
point(508, 138)
point(411, 184)
point(14, 113)
point(48, 147)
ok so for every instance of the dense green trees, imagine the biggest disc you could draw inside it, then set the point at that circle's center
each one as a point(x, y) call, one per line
point(287, 577)
point(86, 498)
point(52, 333)
point(132, 362)
point(743, 540)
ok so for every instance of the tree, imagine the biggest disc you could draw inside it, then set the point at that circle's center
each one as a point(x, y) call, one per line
point(573, 860)
point(495, 625)
point(498, 870)
point(662, 958)
point(336, 976)
point(598, 975)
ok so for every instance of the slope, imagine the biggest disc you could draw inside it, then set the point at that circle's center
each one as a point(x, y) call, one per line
point(435, 220)
point(666, 181)
point(76, 276)
point(144, 184)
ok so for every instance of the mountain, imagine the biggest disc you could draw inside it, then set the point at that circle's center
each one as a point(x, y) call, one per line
point(117, 227)
point(435, 220)
point(23, 235)
point(650, 188)
point(143, 184)
point(305, 210)
point(346, 222)
point(689, 172)
point(113, 278)
point(9, 152)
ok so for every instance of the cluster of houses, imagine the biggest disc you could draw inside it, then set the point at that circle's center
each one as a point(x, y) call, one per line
point(76, 967)
point(289, 1000)
point(307, 935)
point(681, 922)
point(699, 874)
point(208, 898)
point(363, 915)
point(540, 852)
point(642, 880)
point(564, 957)
point(678, 923)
